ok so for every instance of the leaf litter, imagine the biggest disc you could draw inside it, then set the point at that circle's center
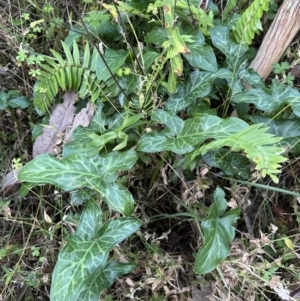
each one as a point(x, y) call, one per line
point(62, 123)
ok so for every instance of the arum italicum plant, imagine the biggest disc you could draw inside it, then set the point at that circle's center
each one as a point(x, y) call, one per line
point(180, 67)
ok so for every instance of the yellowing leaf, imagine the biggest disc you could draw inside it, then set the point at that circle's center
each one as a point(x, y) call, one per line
point(35, 23)
point(289, 243)
point(47, 217)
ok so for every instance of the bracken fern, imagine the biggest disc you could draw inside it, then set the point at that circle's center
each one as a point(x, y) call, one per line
point(259, 146)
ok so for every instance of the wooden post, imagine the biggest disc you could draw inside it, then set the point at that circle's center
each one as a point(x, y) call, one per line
point(280, 34)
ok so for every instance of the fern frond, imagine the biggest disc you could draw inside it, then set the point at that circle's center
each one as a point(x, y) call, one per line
point(67, 53)
point(73, 73)
point(249, 23)
point(58, 57)
point(258, 146)
point(94, 57)
point(86, 56)
point(76, 54)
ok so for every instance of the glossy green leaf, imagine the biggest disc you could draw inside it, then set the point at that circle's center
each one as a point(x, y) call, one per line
point(81, 143)
point(201, 106)
point(220, 37)
point(176, 40)
point(194, 132)
point(249, 22)
point(100, 120)
point(230, 5)
point(195, 34)
point(4, 96)
point(202, 57)
point(148, 58)
point(3, 100)
point(231, 163)
point(80, 196)
point(52, 64)
point(90, 221)
point(82, 270)
point(101, 140)
point(218, 231)
point(172, 121)
point(270, 99)
point(50, 69)
point(93, 59)
point(156, 36)
point(289, 130)
point(245, 76)
point(129, 84)
point(198, 85)
point(69, 77)
point(77, 73)
point(61, 79)
point(114, 60)
point(75, 33)
point(117, 197)
point(78, 171)
point(13, 100)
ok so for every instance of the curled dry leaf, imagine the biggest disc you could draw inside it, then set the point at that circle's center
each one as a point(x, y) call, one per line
point(202, 295)
point(277, 286)
point(62, 123)
point(83, 118)
point(10, 180)
point(61, 118)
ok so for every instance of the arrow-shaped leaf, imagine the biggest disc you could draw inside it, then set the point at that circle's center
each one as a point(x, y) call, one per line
point(82, 272)
point(202, 57)
point(198, 85)
point(218, 233)
point(270, 99)
point(90, 221)
point(289, 130)
point(194, 131)
point(220, 37)
point(78, 171)
point(114, 60)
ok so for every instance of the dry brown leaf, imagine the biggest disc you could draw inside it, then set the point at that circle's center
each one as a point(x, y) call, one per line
point(164, 175)
point(61, 118)
point(273, 228)
point(296, 294)
point(202, 295)
point(47, 217)
point(83, 118)
point(295, 71)
point(264, 239)
point(277, 286)
point(10, 180)
point(232, 203)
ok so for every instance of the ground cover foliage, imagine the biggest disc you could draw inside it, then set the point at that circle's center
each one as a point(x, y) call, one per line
point(140, 158)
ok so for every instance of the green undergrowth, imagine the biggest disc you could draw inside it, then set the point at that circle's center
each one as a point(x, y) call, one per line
point(174, 125)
